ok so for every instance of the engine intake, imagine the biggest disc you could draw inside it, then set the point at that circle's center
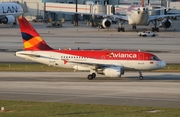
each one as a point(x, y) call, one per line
point(8, 19)
point(166, 23)
point(106, 23)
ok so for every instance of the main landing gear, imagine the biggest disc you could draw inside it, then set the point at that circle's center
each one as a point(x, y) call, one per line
point(134, 27)
point(120, 26)
point(155, 28)
point(140, 75)
point(91, 76)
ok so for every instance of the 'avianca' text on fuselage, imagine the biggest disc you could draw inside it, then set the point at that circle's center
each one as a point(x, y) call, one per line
point(122, 55)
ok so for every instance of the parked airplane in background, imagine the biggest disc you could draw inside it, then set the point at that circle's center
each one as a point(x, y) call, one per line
point(139, 15)
point(110, 63)
point(135, 15)
point(9, 11)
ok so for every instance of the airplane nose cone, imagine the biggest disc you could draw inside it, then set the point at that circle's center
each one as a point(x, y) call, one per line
point(163, 64)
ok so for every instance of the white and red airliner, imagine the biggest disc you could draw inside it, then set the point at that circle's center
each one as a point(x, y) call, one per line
point(111, 63)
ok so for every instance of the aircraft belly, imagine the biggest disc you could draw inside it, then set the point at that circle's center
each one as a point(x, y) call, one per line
point(138, 19)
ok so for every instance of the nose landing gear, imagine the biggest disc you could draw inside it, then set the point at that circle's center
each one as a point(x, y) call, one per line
point(155, 28)
point(140, 75)
point(120, 26)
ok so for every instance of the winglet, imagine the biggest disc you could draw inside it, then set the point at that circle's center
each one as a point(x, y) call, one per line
point(31, 39)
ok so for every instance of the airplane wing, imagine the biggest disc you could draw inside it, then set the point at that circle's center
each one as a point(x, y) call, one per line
point(88, 64)
point(120, 17)
point(154, 17)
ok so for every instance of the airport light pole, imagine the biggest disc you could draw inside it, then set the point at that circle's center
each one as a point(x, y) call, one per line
point(76, 15)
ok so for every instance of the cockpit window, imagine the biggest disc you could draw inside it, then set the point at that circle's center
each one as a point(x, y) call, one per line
point(154, 58)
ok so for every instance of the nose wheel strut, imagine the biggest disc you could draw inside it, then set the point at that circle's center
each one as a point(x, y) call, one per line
point(140, 75)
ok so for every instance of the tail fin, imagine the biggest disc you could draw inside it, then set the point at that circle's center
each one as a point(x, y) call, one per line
point(142, 3)
point(31, 39)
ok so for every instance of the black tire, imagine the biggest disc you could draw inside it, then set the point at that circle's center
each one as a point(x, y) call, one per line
point(90, 77)
point(153, 35)
point(157, 29)
point(141, 78)
point(93, 75)
point(140, 35)
point(135, 27)
point(119, 29)
point(153, 29)
point(123, 29)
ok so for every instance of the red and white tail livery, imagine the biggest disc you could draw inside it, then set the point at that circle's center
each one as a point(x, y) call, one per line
point(111, 63)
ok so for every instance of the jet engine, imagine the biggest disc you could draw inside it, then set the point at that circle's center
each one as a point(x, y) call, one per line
point(166, 23)
point(8, 19)
point(106, 23)
point(113, 71)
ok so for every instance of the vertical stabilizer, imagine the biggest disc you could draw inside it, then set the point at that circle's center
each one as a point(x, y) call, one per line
point(142, 3)
point(31, 39)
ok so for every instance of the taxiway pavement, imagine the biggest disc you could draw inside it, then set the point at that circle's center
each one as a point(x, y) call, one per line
point(166, 45)
point(156, 90)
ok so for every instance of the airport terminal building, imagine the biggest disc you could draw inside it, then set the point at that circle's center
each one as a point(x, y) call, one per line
point(38, 7)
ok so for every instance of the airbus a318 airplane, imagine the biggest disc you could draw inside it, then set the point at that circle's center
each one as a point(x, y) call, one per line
point(111, 63)
point(9, 11)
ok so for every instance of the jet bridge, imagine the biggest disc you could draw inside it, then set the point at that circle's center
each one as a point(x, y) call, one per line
point(67, 10)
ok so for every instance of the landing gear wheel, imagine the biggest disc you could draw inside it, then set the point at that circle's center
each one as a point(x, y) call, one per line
point(155, 29)
point(153, 35)
point(141, 77)
point(93, 75)
point(121, 28)
point(90, 77)
point(134, 27)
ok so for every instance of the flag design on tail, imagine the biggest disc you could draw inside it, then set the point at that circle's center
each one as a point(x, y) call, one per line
point(31, 39)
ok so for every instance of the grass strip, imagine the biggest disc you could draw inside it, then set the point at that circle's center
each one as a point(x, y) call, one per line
point(36, 67)
point(56, 109)
point(31, 67)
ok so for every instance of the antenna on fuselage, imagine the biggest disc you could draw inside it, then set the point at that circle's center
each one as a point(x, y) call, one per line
point(139, 50)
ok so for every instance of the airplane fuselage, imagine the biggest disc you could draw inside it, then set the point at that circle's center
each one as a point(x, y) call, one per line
point(69, 59)
point(10, 9)
point(138, 16)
